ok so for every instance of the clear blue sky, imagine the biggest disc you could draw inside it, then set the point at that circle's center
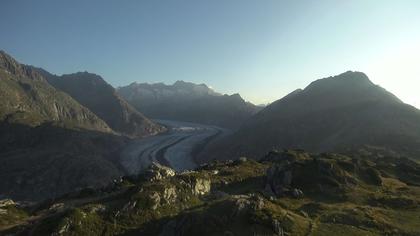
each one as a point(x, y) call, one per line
point(262, 49)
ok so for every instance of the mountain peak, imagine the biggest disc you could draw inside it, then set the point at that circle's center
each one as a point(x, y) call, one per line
point(355, 76)
point(83, 75)
point(236, 96)
point(12, 66)
point(181, 83)
point(347, 80)
point(9, 63)
point(4, 55)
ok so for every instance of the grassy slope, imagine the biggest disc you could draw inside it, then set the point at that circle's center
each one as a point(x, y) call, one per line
point(355, 197)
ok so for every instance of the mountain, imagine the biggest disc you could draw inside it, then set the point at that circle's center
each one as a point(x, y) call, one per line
point(49, 143)
point(285, 193)
point(46, 161)
point(93, 92)
point(340, 113)
point(28, 99)
point(189, 102)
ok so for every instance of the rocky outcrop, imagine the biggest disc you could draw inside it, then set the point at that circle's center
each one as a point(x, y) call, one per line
point(197, 203)
point(7, 202)
point(198, 185)
point(157, 172)
point(279, 179)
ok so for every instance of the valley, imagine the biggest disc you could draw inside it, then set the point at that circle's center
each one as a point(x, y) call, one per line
point(175, 148)
point(210, 118)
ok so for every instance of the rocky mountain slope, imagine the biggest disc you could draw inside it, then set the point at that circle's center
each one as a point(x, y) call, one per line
point(49, 143)
point(93, 92)
point(286, 193)
point(341, 113)
point(189, 102)
point(28, 99)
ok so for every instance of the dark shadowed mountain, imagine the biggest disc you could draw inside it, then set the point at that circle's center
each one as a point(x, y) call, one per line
point(344, 112)
point(189, 102)
point(49, 143)
point(93, 92)
point(47, 161)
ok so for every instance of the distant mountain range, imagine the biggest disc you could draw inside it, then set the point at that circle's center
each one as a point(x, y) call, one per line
point(184, 101)
point(343, 113)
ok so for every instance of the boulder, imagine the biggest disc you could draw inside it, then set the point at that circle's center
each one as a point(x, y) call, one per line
point(242, 204)
point(154, 199)
point(279, 179)
point(297, 193)
point(57, 207)
point(97, 208)
point(241, 160)
point(129, 206)
point(257, 202)
point(158, 172)
point(215, 172)
point(201, 186)
point(7, 202)
point(169, 195)
point(197, 185)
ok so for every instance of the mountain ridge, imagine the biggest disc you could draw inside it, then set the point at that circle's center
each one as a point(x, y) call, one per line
point(95, 93)
point(30, 99)
point(49, 143)
point(337, 113)
point(186, 101)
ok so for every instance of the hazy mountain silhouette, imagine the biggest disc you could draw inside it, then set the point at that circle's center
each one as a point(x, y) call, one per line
point(190, 102)
point(344, 112)
point(93, 92)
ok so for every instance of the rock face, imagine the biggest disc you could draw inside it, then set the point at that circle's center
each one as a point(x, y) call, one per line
point(189, 102)
point(198, 185)
point(93, 92)
point(158, 172)
point(7, 202)
point(295, 170)
point(345, 113)
point(28, 99)
point(279, 179)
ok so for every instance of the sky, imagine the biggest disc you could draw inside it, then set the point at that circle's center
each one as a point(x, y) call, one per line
point(262, 49)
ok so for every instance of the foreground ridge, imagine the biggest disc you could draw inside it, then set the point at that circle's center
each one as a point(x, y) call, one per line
point(291, 192)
